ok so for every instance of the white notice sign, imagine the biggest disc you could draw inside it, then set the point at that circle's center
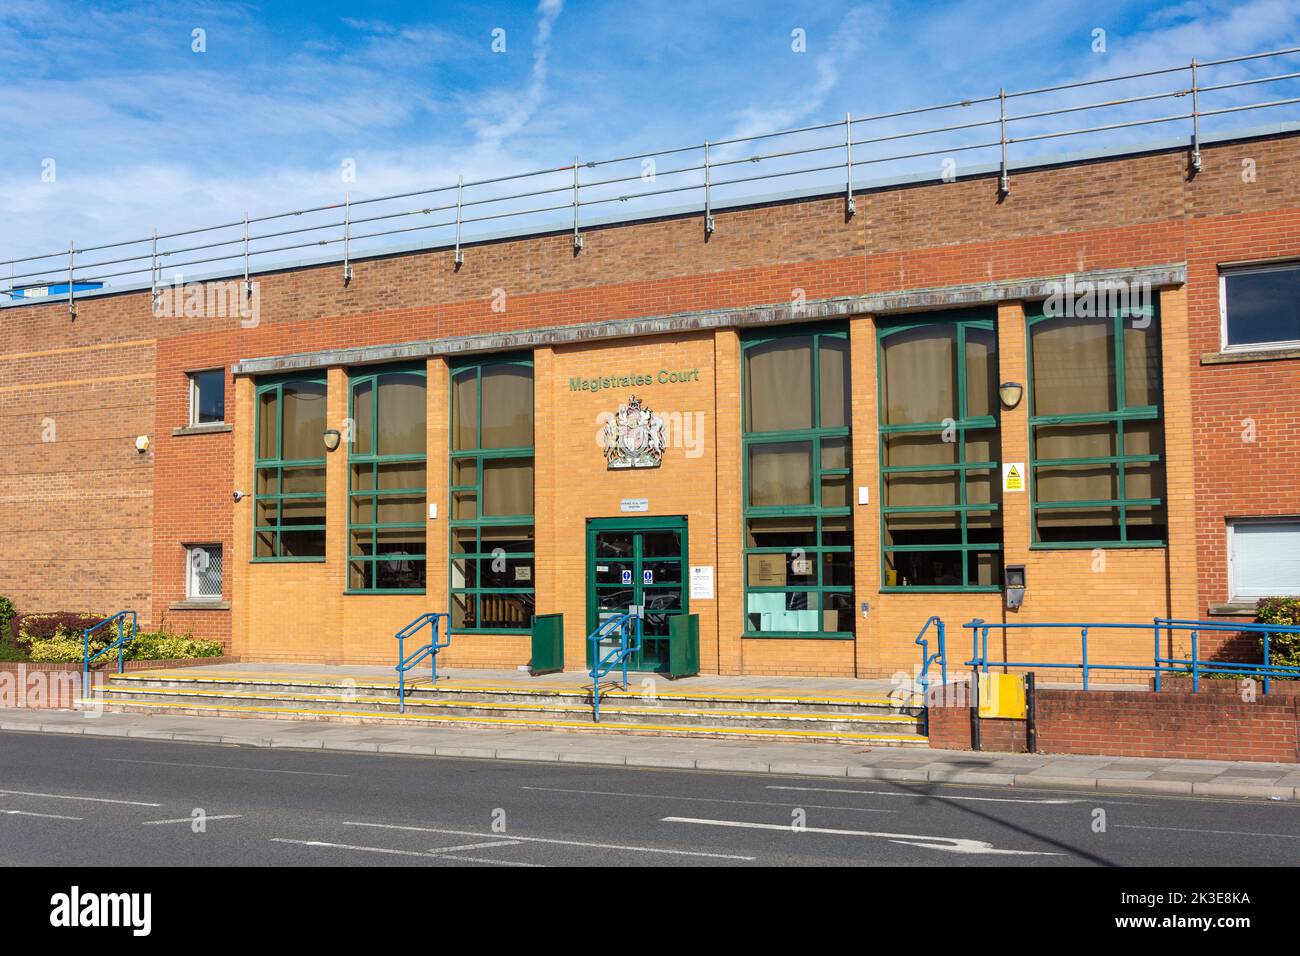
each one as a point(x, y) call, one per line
point(702, 582)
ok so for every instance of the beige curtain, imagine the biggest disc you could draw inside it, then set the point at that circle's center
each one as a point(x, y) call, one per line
point(267, 414)
point(1141, 365)
point(401, 415)
point(780, 473)
point(981, 372)
point(778, 382)
point(833, 369)
point(1074, 366)
point(508, 486)
point(363, 396)
point(507, 407)
point(304, 420)
point(920, 375)
point(465, 399)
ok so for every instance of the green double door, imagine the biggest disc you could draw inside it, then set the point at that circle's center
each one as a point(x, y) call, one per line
point(637, 561)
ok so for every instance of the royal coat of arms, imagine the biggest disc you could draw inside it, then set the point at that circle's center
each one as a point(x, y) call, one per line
point(634, 438)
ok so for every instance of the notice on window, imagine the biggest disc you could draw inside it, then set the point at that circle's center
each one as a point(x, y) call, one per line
point(1013, 476)
point(702, 582)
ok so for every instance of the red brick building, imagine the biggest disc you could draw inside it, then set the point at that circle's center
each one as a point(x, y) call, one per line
point(839, 460)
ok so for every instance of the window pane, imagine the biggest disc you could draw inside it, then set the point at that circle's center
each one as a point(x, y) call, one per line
point(302, 511)
point(400, 510)
point(778, 385)
point(789, 612)
point(464, 426)
point(1141, 363)
point(1083, 524)
point(507, 406)
point(1263, 306)
point(1076, 483)
point(929, 448)
point(303, 420)
point(835, 453)
point(514, 611)
point(304, 481)
point(835, 491)
point(981, 372)
point(923, 568)
point(1093, 440)
point(1073, 366)
point(401, 474)
point(920, 375)
point(984, 568)
point(923, 527)
point(508, 486)
point(209, 396)
point(788, 533)
point(362, 413)
point(303, 544)
point(464, 471)
point(833, 356)
point(922, 488)
point(780, 473)
point(401, 414)
point(268, 414)
point(1265, 559)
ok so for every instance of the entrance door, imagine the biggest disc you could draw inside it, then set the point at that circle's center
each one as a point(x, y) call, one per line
point(637, 561)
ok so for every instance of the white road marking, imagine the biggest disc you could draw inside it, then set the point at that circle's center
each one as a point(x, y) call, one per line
point(919, 796)
point(1285, 836)
point(213, 766)
point(472, 846)
point(65, 796)
point(48, 816)
point(389, 850)
point(949, 844)
point(526, 839)
point(673, 796)
point(223, 816)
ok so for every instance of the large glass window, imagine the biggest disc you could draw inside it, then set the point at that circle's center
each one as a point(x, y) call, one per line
point(289, 467)
point(1097, 440)
point(1260, 306)
point(940, 501)
point(386, 481)
point(797, 461)
point(492, 536)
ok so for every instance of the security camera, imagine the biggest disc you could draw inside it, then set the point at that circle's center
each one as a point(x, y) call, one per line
point(238, 495)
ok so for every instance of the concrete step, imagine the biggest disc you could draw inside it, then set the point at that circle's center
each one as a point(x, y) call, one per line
point(617, 710)
point(663, 694)
point(221, 708)
point(671, 711)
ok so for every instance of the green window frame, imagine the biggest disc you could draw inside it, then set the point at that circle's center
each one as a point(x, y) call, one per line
point(491, 571)
point(277, 528)
point(1133, 431)
point(964, 466)
point(383, 484)
point(823, 524)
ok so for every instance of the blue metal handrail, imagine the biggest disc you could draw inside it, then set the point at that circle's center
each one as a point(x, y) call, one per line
point(927, 658)
point(1193, 665)
point(624, 624)
point(87, 659)
point(430, 650)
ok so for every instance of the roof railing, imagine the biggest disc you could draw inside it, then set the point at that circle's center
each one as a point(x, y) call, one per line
point(555, 198)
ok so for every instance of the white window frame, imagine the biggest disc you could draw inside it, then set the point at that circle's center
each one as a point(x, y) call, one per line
point(1233, 523)
point(1235, 270)
point(194, 397)
point(191, 590)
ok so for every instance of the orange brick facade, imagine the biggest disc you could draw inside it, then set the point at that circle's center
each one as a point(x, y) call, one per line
point(93, 524)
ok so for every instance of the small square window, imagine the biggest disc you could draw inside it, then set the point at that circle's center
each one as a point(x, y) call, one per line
point(1260, 306)
point(203, 572)
point(1264, 558)
point(208, 397)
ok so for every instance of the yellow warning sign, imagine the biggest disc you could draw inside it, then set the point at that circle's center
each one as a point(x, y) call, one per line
point(1013, 476)
point(1002, 695)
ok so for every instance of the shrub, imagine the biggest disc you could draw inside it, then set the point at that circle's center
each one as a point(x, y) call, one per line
point(1283, 649)
point(7, 614)
point(53, 640)
point(59, 624)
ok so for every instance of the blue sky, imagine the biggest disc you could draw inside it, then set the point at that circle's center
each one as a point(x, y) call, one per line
point(145, 132)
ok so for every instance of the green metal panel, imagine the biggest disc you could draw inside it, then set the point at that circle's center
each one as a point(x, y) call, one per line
point(548, 644)
point(684, 645)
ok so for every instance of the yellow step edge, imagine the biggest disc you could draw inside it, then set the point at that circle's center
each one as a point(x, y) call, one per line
point(548, 724)
point(702, 694)
point(494, 705)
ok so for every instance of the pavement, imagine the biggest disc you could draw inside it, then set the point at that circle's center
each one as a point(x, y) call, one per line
point(86, 800)
point(1207, 778)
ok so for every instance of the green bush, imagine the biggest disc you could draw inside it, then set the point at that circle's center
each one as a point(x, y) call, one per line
point(65, 645)
point(7, 614)
point(1283, 649)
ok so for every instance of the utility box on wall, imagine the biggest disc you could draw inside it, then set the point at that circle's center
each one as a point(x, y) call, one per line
point(548, 644)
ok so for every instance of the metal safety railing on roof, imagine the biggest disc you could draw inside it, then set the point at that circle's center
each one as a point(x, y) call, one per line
point(554, 198)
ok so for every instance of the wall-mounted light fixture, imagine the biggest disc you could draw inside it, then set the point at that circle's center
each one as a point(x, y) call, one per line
point(332, 438)
point(142, 443)
point(1010, 393)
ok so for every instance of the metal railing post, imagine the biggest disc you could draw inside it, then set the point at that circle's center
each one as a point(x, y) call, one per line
point(1004, 180)
point(1196, 121)
point(577, 237)
point(72, 304)
point(153, 272)
point(1085, 658)
point(1196, 667)
point(943, 656)
point(347, 235)
point(248, 285)
point(1155, 661)
point(458, 259)
point(708, 194)
point(1267, 664)
point(850, 204)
